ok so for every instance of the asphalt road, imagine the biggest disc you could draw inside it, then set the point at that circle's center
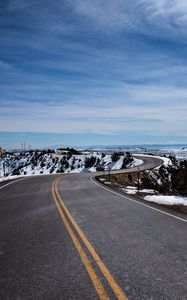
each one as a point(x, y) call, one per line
point(64, 237)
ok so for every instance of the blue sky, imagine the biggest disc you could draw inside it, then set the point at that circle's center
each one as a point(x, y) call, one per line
point(93, 72)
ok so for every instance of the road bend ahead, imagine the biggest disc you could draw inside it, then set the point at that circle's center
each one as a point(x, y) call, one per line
point(64, 237)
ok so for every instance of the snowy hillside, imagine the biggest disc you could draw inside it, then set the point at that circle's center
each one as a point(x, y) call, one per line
point(31, 163)
point(166, 184)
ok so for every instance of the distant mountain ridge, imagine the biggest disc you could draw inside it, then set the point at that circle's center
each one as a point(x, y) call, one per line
point(138, 147)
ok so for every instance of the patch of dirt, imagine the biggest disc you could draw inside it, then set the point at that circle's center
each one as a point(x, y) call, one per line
point(121, 181)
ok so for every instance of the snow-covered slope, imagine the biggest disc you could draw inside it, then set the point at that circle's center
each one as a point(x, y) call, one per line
point(167, 200)
point(41, 162)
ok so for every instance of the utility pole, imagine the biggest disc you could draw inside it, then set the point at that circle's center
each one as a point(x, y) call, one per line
point(138, 179)
point(4, 167)
point(109, 172)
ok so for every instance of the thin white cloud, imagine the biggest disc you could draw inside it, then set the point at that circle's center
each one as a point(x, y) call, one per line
point(121, 116)
point(6, 67)
point(75, 82)
point(153, 17)
point(146, 16)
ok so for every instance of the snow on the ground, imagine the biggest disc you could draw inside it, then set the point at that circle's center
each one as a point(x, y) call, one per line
point(92, 169)
point(37, 163)
point(10, 178)
point(31, 165)
point(136, 162)
point(166, 161)
point(118, 164)
point(159, 199)
point(131, 187)
point(167, 200)
point(107, 161)
point(131, 190)
point(148, 191)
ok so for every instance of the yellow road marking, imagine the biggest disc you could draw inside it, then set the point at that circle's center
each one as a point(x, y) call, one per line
point(111, 281)
point(94, 278)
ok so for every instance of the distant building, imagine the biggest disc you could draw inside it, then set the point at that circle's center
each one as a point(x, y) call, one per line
point(61, 151)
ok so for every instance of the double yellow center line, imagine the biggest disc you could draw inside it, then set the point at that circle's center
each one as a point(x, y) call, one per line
point(72, 228)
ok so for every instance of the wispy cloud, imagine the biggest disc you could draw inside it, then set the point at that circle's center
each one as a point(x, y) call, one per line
point(6, 67)
point(93, 66)
point(68, 17)
point(146, 16)
point(110, 119)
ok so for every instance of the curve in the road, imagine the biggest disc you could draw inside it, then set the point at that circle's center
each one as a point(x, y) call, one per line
point(39, 260)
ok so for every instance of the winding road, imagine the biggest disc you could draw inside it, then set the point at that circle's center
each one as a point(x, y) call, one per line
point(66, 237)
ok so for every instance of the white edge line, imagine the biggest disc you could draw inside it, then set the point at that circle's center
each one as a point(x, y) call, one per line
point(133, 200)
point(2, 187)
